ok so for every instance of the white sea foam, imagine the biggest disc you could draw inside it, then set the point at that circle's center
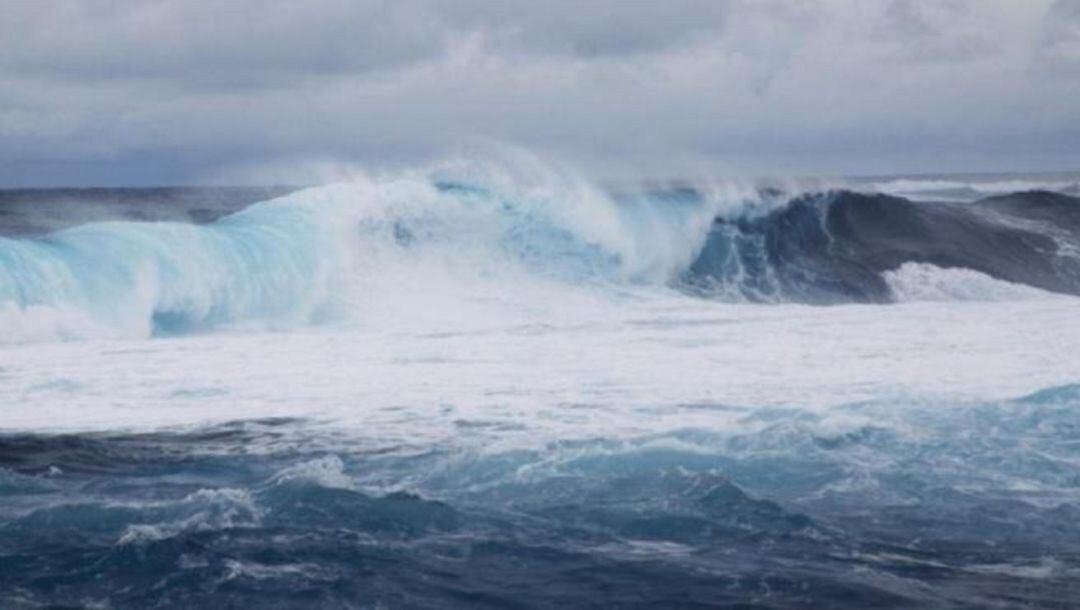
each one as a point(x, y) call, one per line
point(925, 282)
point(206, 509)
point(327, 471)
point(930, 189)
point(527, 364)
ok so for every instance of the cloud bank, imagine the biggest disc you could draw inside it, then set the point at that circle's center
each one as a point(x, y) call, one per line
point(129, 92)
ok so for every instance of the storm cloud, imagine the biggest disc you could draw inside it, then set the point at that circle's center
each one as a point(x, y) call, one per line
point(127, 92)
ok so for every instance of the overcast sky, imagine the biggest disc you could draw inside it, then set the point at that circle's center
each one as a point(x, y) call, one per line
point(203, 91)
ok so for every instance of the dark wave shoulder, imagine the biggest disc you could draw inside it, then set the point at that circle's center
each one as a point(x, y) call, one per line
point(40, 211)
point(834, 246)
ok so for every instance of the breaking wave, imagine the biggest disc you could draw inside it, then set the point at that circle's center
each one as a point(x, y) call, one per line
point(310, 256)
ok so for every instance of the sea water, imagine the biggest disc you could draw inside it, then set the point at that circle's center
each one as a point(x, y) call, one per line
point(477, 386)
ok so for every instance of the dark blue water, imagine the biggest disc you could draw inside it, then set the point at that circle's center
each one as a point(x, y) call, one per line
point(939, 506)
point(834, 247)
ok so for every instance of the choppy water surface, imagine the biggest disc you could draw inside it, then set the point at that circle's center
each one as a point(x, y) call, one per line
point(930, 505)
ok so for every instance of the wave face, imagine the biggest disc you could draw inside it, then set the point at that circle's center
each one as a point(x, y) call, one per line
point(315, 255)
point(875, 505)
point(270, 261)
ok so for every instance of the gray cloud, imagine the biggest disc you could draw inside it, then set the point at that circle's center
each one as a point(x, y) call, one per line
point(197, 42)
point(1060, 48)
point(587, 29)
point(144, 92)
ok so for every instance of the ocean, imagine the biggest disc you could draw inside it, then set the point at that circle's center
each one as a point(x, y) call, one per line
point(499, 385)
